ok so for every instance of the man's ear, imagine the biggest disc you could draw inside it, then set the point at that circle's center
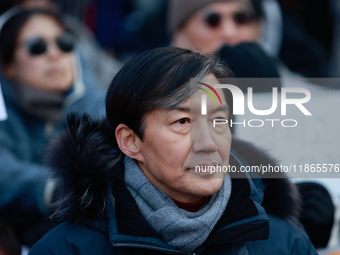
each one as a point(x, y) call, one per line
point(128, 142)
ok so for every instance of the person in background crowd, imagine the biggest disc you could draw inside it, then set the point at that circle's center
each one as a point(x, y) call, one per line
point(210, 25)
point(130, 183)
point(127, 27)
point(232, 29)
point(100, 63)
point(42, 81)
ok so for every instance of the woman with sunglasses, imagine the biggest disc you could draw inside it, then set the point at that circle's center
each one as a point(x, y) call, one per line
point(42, 81)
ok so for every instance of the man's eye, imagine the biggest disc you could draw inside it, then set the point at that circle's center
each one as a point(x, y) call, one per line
point(184, 121)
point(220, 118)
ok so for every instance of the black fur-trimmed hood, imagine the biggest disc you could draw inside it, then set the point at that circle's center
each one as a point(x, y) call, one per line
point(83, 162)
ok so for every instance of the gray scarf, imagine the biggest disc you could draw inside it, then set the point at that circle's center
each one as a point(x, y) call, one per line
point(41, 103)
point(179, 228)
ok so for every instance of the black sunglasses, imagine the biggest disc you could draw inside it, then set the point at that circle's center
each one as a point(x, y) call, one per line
point(213, 19)
point(38, 46)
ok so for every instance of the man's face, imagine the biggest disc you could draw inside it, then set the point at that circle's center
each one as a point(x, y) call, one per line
point(218, 24)
point(176, 141)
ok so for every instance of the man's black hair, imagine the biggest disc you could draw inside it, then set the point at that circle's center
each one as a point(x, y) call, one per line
point(156, 79)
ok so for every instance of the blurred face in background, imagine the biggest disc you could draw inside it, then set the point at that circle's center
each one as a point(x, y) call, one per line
point(51, 69)
point(45, 4)
point(218, 24)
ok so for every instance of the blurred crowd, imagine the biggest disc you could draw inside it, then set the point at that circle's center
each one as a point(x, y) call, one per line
point(59, 56)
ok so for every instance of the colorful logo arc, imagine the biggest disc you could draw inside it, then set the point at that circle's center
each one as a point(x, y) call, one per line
point(209, 93)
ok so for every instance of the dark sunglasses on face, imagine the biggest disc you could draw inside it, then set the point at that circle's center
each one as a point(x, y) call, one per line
point(38, 46)
point(213, 19)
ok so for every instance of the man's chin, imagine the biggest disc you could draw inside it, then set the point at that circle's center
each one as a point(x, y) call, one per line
point(207, 187)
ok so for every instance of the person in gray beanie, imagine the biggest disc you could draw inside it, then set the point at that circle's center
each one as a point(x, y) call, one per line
point(207, 25)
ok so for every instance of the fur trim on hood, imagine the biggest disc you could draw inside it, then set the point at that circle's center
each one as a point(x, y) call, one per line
point(83, 162)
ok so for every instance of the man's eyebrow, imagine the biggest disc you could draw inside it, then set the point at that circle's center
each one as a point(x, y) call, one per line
point(223, 108)
point(180, 108)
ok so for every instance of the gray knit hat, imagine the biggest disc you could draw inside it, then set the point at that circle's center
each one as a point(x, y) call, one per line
point(180, 10)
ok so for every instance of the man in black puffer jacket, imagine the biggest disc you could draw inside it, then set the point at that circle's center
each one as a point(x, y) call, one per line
point(137, 183)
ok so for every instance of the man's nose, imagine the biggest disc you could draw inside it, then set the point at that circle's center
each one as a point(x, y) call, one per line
point(202, 140)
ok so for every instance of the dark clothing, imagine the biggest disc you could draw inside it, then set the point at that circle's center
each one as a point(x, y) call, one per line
point(247, 61)
point(110, 222)
point(318, 214)
point(302, 52)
